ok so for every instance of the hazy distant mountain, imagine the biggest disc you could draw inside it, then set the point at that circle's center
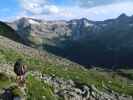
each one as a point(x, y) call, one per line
point(108, 42)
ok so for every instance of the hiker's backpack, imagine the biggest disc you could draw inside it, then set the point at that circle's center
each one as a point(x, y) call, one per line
point(7, 95)
point(19, 68)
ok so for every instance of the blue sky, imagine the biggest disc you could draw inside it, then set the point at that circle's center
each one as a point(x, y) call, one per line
point(64, 9)
point(9, 8)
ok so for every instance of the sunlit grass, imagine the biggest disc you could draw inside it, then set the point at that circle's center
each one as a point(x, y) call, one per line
point(77, 74)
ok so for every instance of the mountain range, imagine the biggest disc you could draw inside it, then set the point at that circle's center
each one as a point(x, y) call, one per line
point(102, 43)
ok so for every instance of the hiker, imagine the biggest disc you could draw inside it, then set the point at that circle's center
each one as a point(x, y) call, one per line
point(20, 70)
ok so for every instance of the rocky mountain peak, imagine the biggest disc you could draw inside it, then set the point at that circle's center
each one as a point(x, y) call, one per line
point(84, 19)
point(27, 21)
point(123, 16)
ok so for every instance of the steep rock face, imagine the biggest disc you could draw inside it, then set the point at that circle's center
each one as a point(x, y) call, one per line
point(81, 28)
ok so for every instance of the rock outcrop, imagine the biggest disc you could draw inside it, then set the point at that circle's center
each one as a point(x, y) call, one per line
point(70, 90)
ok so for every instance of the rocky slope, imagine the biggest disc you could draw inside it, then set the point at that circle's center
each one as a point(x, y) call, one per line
point(70, 90)
point(63, 89)
point(54, 78)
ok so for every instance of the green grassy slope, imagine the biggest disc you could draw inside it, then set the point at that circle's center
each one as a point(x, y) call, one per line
point(50, 64)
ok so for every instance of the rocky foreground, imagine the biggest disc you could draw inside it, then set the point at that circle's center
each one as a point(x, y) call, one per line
point(68, 89)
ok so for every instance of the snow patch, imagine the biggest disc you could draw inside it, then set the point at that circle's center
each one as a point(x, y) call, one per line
point(33, 21)
point(88, 24)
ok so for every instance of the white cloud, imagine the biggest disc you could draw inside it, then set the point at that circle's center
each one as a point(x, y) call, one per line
point(94, 3)
point(45, 10)
point(92, 9)
point(111, 11)
point(38, 7)
point(102, 12)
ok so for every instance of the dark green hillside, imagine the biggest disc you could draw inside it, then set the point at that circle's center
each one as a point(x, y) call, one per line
point(8, 32)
